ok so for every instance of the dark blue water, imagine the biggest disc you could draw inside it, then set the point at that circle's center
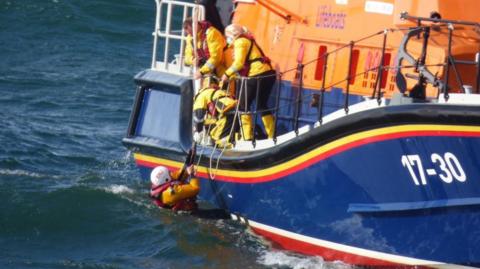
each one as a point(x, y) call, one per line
point(70, 196)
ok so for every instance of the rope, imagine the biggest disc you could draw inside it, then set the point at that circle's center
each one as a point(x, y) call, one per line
point(203, 148)
point(212, 175)
point(209, 129)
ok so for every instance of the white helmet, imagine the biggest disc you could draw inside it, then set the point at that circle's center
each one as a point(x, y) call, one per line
point(234, 30)
point(159, 175)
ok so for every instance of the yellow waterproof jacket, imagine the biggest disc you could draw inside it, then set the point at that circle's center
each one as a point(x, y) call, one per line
point(181, 191)
point(215, 43)
point(217, 99)
point(241, 46)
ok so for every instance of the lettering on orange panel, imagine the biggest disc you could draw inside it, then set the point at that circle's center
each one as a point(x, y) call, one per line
point(277, 33)
point(328, 19)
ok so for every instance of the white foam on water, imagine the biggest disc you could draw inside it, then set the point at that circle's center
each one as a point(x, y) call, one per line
point(8, 172)
point(128, 194)
point(278, 258)
point(119, 189)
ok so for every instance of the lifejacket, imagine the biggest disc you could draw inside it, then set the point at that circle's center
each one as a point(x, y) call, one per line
point(156, 194)
point(203, 53)
point(264, 59)
point(188, 204)
point(212, 110)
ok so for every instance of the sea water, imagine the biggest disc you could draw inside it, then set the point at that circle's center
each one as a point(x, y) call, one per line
point(70, 196)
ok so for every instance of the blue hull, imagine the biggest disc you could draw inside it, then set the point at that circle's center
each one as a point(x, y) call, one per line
point(391, 185)
point(373, 203)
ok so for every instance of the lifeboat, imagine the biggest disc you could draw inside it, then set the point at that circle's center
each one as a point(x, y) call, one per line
point(375, 159)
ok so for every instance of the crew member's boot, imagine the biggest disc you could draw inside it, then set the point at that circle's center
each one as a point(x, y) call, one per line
point(269, 124)
point(247, 131)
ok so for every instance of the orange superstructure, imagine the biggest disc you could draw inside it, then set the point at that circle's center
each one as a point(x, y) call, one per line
point(288, 29)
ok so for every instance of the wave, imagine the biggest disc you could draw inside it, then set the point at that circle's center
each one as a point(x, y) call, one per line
point(284, 259)
point(24, 173)
point(118, 189)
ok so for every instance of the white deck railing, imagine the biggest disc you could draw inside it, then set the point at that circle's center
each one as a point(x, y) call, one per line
point(163, 63)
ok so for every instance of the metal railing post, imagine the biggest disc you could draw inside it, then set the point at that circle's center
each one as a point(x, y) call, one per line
point(447, 71)
point(298, 102)
point(379, 81)
point(167, 35)
point(241, 95)
point(155, 34)
point(347, 90)
point(455, 71)
point(255, 114)
point(182, 41)
point(277, 104)
point(322, 91)
point(477, 81)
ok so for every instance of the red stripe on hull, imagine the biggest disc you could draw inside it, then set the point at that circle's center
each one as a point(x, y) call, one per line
point(341, 149)
point(326, 253)
point(324, 155)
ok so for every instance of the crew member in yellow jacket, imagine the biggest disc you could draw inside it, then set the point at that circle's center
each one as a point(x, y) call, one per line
point(210, 46)
point(172, 190)
point(250, 61)
point(215, 103)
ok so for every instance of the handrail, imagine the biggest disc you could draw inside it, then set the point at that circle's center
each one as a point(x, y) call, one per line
point(168, 34)
point(419, 66)
point(380, 68)
point(406, 16)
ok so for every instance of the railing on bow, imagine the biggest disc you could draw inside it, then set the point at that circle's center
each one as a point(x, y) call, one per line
point(297, 102)
point(450, 62)
point(377, 92)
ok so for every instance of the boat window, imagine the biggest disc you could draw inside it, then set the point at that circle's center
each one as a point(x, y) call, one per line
point(151, 125)
point(386, 62)
point(322, 50)
point(353, 68)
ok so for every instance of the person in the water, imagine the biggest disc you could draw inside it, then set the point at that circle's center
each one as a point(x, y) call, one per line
point(173, 190)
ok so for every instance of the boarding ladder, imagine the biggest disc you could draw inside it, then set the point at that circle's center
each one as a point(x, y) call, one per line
point(169, 36)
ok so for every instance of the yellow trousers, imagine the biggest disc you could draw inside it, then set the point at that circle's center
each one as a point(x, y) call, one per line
point(223, 127)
